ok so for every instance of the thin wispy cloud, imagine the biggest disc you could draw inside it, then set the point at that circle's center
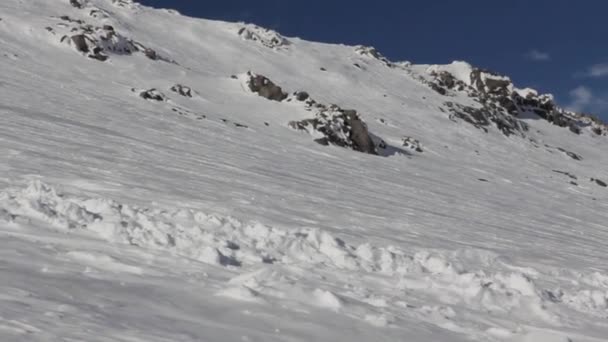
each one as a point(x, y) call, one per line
point(583, 99)
point(537, 55)
point(598, 70)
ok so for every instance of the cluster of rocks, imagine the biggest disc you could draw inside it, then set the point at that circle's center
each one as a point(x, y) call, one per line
point(484, 116)
point(372, 52)
point(152, 94)
point(412, 144)
point(331, 125)
point(182, 90)
point(98, 41)
point(266, 37)
point(500, 102)
point(264, 87)
point(125, 3)
point(341, 127)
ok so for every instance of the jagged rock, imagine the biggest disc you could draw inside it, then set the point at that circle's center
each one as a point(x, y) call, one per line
point(266, 37)
point(182, 90)
point(264, 87)
point(482, 117)
point(152, 95)
point(99, 13)
point(123, 3)
point(151, 54)
point(339, 127)
point(497, 94)
point(412, 144)
point(101, 40)
point(372, 52)
point(76, 3)
point(301, 96)
point(570, 154)
point(566, 173)
point(331, 124)
point(80, 43)
point(98, 55)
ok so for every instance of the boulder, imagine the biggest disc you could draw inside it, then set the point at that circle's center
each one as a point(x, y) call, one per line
point(152, 95)
point(266, 88)
point(359, 135)
point(80, 43)
point(76, 3)
point(599, 182)
point(182, 90)
point(301, 96)
point(266, 37)
point(339, 127)
point(412, 144)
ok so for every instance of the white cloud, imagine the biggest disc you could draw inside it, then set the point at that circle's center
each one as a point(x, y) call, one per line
point(538, 56)
point(584, 99)
point(581, 97)
point(598, 70)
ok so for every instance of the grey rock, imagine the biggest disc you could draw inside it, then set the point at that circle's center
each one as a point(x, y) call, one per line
point(80, 42)
point(152, 95)
point(182, 90)
point(266, 88)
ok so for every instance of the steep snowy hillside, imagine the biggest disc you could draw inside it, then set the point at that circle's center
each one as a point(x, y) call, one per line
point(165, 178)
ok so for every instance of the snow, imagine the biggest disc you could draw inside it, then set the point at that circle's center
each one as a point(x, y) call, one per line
point(209, 219)
point(460, 69)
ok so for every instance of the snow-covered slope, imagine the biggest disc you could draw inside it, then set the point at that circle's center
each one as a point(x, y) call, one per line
point(149, 193)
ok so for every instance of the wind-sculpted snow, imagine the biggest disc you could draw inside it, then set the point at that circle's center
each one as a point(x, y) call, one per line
point(192, 201)
point(380, 285)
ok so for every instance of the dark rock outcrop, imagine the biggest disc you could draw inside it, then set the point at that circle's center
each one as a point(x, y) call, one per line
point(372, 52)
point(301, 96)
point(266, 37)
point(182, 90)
point(76, 3)
point(99, 42)
point(412, 144)
point(339, 127)
point(80, 43)
point(500, 102)
point(152, 95)
point(599, 182)
point(570, 154)
point(482, 117)
point(264, 87)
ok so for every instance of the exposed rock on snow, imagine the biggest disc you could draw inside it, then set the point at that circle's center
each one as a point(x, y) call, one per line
point(266, 37)
point(484, 116)
point(182, 90)
point(153, 95)
point(570, 154)
point(599, 182)
point(412, 144)
point(76, 3)
point(264, 87)
point(99, 41)
point(336, 126)
point(498, 97)
point(372, 52)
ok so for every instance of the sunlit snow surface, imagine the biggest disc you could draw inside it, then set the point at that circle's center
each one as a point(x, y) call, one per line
point(209, 219)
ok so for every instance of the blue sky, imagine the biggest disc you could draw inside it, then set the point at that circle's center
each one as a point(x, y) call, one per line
point(555, 46)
